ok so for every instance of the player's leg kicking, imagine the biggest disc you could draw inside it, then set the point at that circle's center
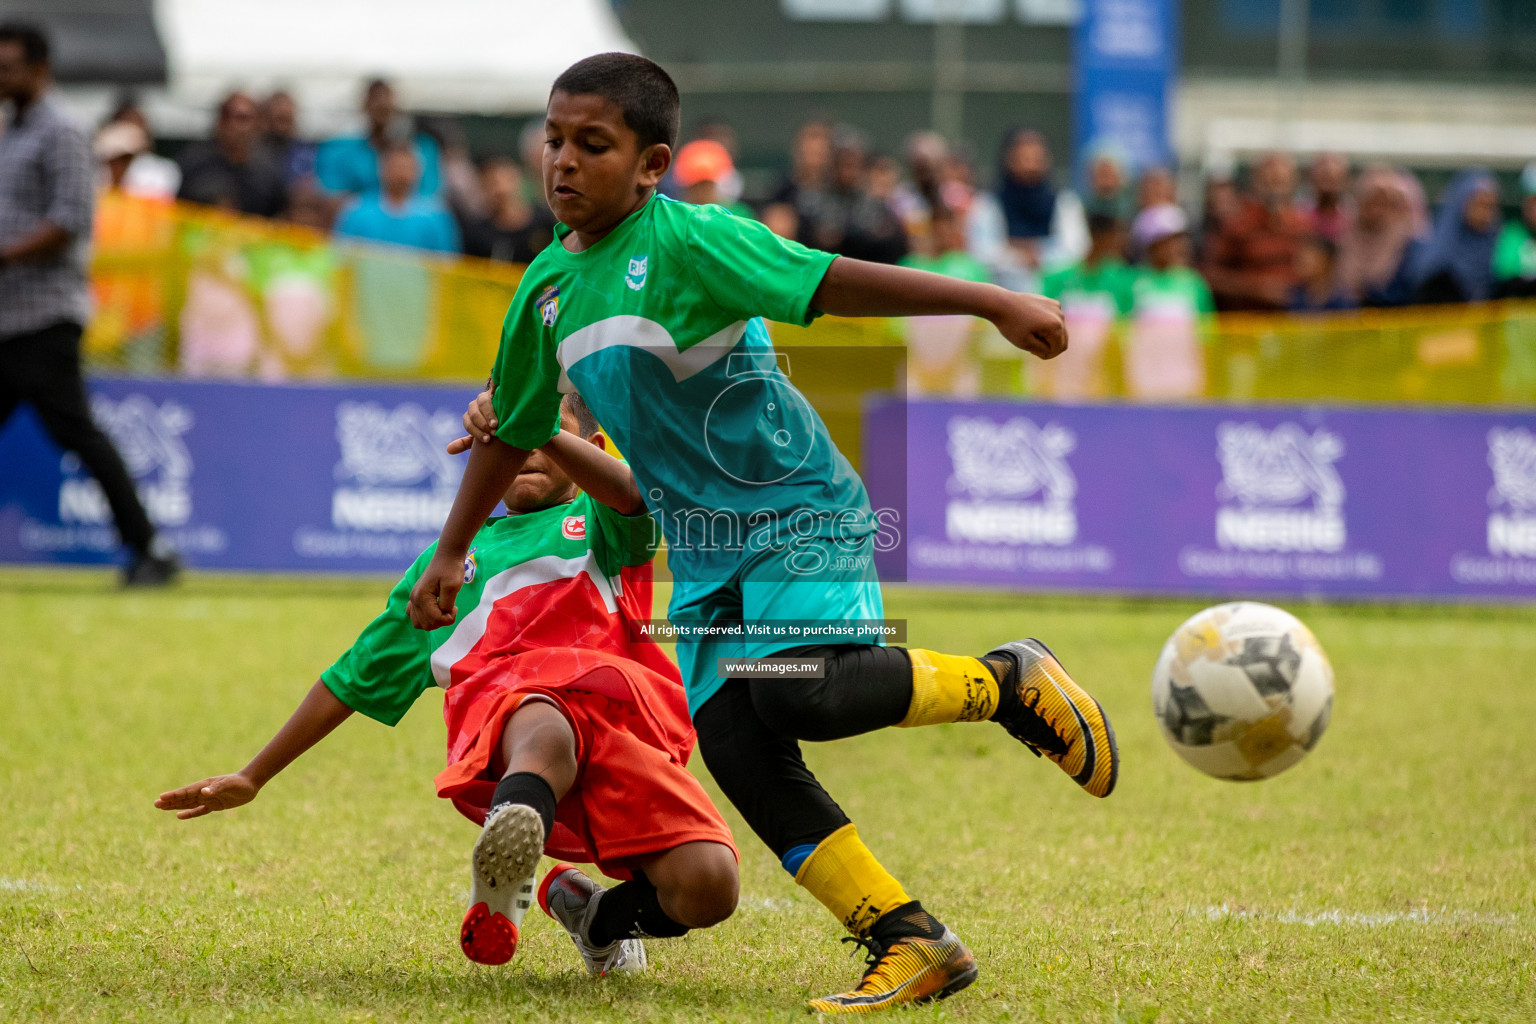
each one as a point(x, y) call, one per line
point(749, 733)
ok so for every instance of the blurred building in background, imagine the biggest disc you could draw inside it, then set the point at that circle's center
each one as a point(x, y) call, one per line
point(485, 57)
point(1431, 84)
point(98, 41)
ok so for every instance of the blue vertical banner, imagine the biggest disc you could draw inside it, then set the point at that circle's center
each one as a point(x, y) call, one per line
point(1125, 59)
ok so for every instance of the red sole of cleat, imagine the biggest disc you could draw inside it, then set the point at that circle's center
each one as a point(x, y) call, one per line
point(487, 938)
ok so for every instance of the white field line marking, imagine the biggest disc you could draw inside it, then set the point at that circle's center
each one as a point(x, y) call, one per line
point(1355, 919)
point(25, 885)
point(772, 904)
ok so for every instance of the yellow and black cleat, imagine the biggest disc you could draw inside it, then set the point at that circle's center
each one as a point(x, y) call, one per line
point(912, 969)
point(1055, 718)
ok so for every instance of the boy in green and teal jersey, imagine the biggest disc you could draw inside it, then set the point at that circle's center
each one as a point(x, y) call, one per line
point(651, 309)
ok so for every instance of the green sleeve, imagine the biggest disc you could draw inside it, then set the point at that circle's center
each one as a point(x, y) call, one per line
point(1054, 283)
point(621, 540)
point(1508, 262)
point(389, 665)
point(527, 375)
point(749, 271)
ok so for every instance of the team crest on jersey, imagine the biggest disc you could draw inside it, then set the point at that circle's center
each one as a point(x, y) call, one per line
point(471, 568)
point(636, 276)
point(575, 527)
point(548, 304)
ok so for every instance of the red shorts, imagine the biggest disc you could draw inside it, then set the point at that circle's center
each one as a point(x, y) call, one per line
point(633, 796)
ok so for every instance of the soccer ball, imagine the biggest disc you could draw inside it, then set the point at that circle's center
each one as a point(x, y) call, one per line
point(1242, 691)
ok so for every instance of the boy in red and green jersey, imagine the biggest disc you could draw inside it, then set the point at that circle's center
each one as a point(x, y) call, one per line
point(568, 731)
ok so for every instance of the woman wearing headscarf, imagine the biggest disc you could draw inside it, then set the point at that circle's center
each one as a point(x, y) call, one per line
point(1456, 264)
point(1027, 195)
point(1377, 251)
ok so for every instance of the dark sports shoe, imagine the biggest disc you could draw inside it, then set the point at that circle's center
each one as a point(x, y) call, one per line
point(146, 570)
point(571, 898)
point(1055, 718)
point(911, 969)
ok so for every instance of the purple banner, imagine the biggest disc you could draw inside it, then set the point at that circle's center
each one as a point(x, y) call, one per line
point(1264, 500)
point(245, 476)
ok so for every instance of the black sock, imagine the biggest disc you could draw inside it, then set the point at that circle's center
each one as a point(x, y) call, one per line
point(1002, 668)
point(906, 921)
point(632, 910)
point(531, 789)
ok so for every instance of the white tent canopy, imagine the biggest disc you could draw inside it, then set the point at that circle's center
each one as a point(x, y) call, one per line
point(467, 56)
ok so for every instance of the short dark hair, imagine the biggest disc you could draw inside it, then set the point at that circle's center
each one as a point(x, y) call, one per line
point(1100, 223)
point(586, 423)
point(496, 159)
point(639, 87)
point(33, 43)
point(230, 99)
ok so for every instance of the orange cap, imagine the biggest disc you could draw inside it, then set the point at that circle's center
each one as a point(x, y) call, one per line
point(702, 160)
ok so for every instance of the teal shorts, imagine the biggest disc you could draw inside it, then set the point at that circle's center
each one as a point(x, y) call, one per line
point(826, 589)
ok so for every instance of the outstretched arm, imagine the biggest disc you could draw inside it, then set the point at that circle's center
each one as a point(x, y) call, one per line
point(601, 475)
point(316, 716)
point(857, 288)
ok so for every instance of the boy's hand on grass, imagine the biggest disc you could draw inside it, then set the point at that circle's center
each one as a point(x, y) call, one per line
point(219, 793)
point(479, 422)
point(1033, 323)
point(431, 605)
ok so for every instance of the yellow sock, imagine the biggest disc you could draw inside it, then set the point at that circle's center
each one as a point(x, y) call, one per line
point(848, 881)
point(949, 688)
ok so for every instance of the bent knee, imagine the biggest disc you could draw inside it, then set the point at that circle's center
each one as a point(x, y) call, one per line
point(712, 890)
point(714, 898)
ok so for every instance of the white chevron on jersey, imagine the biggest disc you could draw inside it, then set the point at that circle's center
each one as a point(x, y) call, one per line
point(649, 336)
point(545, 569)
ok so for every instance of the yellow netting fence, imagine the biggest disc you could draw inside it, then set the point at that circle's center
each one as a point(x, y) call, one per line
point(189, 291)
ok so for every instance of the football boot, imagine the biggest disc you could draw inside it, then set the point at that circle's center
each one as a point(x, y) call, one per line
point(1055, 718)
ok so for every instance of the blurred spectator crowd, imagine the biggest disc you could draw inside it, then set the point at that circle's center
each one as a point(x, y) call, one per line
point(393, 182)
point(1114, 245)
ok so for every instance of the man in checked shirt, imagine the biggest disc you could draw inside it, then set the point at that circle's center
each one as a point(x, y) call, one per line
point(46, 190)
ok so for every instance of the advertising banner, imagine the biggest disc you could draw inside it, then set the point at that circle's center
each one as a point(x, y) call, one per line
point(1125, 56)
point(241, 476)
point(1228, 501)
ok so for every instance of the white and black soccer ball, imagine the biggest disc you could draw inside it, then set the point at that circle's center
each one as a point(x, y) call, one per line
point(1242, 691)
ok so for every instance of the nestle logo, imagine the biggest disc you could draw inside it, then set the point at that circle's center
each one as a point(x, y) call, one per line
point(1280, 489)
point(1512, 457)
point(996, 466)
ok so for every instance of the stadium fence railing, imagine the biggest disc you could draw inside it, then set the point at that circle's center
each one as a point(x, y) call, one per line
point(188, 291)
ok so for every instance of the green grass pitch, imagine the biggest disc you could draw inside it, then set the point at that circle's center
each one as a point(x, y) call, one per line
point(1388, 877)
